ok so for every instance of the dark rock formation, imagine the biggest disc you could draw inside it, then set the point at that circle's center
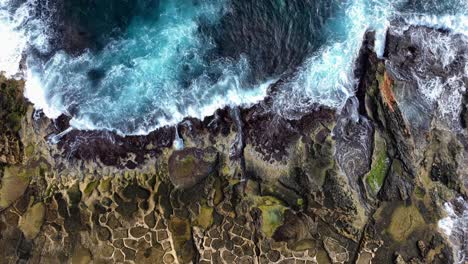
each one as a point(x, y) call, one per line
point(12, 109)
point(354, 141)
point(190, 166)
point(365, 184)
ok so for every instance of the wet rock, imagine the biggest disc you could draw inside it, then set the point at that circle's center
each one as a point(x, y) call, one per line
point(81, 255)
point(446, 152)
point(103, 233)
point(422, 248)
point(10, 149)
point(296, 227)
point(14, 183)
point(126, 208)
point(134, 191)
point(74, 194)
point(24, 250)
point(150, 220)
point(298, 199)
point(130, 254)
point(112, 149)
point(12, 110)
point(398, 184)
point(443, 171)
point(354, 136)
point(181, 235)
point(138, 231)
point(464, 112)
point(336, 196)
point(107, 251)
point(31, 222)
point(404, 221)
point(150, 255)
point(271, 136)
point(336, 252)
point(190, 166)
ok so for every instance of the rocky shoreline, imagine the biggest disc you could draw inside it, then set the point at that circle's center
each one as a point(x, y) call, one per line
point(365, 184)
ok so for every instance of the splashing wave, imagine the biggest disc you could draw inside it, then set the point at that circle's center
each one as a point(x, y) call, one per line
point(132, 68)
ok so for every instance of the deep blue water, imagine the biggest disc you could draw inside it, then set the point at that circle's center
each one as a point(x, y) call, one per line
point(132, 66)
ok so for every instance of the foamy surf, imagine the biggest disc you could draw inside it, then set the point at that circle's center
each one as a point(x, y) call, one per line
point(140, 82)
point(13, 41)
point(326, 78)
point(455, 227)
point(458, 24)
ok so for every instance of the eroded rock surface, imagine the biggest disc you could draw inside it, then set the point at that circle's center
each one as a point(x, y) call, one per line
point(190, 166)
point(364, 185)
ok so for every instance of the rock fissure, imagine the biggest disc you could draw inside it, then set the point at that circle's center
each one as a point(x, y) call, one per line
point(365, 185)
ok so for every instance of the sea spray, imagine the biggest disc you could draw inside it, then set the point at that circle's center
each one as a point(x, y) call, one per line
point(178, 141)
point(455, 227)
point(13, 40)
point(326, 77)
point(155, 68)
point(55, 138)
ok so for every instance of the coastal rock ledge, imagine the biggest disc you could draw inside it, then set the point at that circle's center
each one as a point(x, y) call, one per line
point(367, 184)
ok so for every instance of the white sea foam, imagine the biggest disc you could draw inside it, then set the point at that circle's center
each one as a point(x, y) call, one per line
point(36, 94)
point(455, 227)
point(443, 91)
point(19, 30)
point(455, 23)
point(326, 78)
point(233, 98)
point(13, 41)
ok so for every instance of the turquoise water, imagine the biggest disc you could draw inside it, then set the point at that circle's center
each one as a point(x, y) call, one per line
point(151, 63)
point(142, 77)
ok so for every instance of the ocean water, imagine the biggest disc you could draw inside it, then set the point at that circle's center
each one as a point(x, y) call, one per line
point(455, 227)
point(134, 66)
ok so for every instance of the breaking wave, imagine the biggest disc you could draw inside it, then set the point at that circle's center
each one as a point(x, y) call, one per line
point(455, 227)
point(132, 67)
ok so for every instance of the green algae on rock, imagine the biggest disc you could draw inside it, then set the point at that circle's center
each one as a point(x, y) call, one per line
point(405, 220)
point(13, 104)
point(14, 182)
point(189, 166)
point(379, 169)
point(272, 214)
point(13, 107)
point(283, 198)
point(31, 222)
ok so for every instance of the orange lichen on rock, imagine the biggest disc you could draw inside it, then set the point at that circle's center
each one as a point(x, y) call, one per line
point(387, 92)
